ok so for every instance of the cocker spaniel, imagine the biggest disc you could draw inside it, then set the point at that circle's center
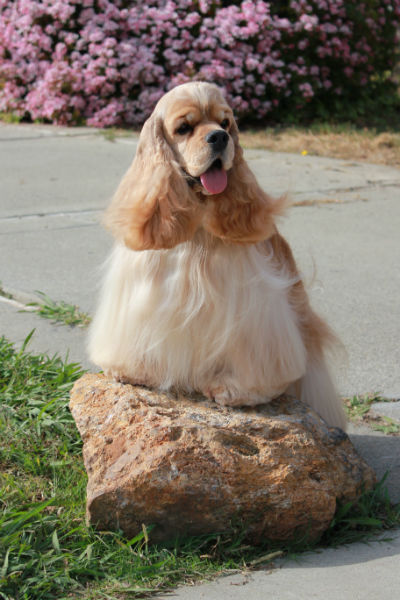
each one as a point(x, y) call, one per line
point(202, 292)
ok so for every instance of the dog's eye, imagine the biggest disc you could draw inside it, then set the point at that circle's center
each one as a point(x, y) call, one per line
point(184, 128)
point(225, 124)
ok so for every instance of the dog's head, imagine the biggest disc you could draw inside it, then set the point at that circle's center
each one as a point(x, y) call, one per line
point(200, 129)
point(189, 173)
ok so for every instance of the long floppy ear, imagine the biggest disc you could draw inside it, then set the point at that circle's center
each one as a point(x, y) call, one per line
point(153, 206)
point(243, 213)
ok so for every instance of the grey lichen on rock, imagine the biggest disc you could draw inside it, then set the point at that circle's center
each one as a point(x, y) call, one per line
point(190, 467)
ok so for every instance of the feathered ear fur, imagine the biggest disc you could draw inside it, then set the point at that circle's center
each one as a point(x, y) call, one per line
point(243, 213)
point(153, 206)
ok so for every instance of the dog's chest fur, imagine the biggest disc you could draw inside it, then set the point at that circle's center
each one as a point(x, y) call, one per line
point(202, 309)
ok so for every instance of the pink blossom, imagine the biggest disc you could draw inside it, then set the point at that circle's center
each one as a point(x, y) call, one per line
point(107, 62)
point(306, 90)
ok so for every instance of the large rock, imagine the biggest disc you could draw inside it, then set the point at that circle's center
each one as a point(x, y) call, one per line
point(190, 467)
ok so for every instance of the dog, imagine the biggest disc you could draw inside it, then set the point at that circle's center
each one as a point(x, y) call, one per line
point(202, 293)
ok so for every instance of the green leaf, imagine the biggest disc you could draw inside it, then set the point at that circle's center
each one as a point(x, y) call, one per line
point(55, 542)
point(371, 522)
point(27, 340)
point(4, 568)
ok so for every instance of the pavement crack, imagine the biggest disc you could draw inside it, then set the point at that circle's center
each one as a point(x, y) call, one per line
point(61, 213)
point(353, 188)
point(17, 298)
point(384, 184)
point(17, 304)
point(39, 138)
point(63, 228)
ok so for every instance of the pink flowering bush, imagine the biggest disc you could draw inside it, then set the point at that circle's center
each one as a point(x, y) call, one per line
point(107, 62)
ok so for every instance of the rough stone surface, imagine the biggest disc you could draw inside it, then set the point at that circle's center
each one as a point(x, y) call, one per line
point(191, 467)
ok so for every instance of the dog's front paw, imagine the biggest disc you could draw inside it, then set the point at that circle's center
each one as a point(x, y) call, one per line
point(224, 396)
point(120, 376)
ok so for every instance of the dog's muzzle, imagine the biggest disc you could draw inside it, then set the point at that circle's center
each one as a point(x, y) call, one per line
point(214, 180)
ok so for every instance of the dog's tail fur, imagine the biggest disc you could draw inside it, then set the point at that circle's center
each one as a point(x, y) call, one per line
point(316, 388)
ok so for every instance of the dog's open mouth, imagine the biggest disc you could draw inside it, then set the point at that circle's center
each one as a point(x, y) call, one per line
point(215, 179)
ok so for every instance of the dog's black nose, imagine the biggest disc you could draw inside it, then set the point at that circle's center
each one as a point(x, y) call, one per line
point(217, 139)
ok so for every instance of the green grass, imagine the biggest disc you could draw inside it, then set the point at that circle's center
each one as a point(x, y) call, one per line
point(4, 293)
point(46, 548)
point(10, 118)
point(60, 312)
point(112, 133)
point(358, 409)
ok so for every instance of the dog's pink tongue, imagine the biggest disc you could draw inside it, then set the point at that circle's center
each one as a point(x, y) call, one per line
point(214, 180)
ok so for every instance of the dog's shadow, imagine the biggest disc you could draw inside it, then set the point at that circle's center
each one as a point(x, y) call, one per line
point(382, 453)
point(384, 545)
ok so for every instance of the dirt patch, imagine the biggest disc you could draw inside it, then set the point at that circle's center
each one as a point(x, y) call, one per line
point(358, 145)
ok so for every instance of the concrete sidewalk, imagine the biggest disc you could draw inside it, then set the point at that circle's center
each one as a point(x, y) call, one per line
point(54, 184)
point(356, 572)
